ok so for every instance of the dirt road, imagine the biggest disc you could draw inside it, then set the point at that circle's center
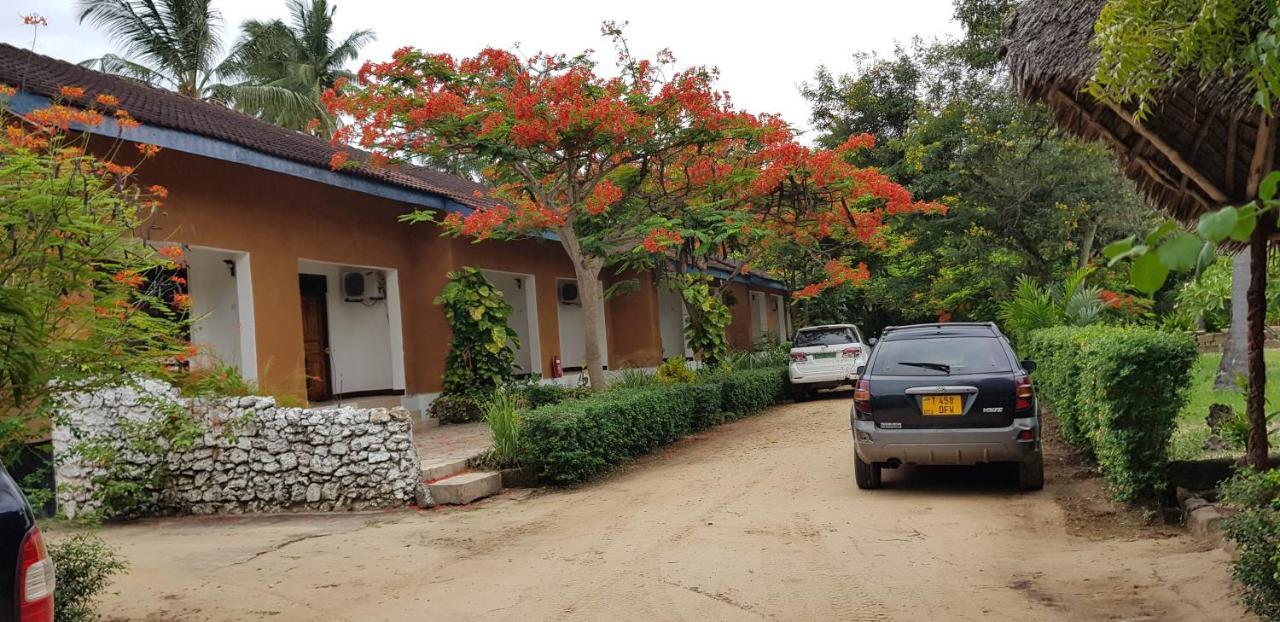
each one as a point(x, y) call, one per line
point(754, 520)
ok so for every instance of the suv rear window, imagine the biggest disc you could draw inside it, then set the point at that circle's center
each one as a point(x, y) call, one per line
point(938, 356)
point(824, 337)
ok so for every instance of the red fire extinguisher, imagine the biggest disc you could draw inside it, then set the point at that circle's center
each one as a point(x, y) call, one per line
point(556, 370)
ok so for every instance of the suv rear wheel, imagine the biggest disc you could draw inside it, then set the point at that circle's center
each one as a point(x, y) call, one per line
point(866, 475)
point(1031, 474)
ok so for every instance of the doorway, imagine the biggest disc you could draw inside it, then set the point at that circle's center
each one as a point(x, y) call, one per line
point(315, 336)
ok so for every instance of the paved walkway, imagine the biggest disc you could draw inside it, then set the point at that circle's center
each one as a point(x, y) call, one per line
point(439, 443)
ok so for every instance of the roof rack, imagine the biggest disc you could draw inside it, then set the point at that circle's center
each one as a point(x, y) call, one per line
point(941, 325)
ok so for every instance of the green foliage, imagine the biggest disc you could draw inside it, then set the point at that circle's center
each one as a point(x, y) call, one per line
point(674, 371)
point(1034, 307)
point(275, 71)
point(533, 393)
point(480, 356)
point(1116, 392)
point(769, 356)
point(502, 413)
point(634, 378)
point(83, 566)
point(1255, 528)
point(1024, 200)
point(459, 407)
point(215, 381)
point(749, 391)
point(708, 319)
point(1145, 46)
point(571, 441)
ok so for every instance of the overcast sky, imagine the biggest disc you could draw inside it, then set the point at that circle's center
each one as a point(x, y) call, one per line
point(763, 50)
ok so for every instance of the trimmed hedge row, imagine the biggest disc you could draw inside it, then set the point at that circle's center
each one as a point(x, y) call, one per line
point(1116, 392)
point(572, 440)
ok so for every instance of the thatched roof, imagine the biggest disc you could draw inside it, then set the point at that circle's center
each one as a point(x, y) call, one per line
point(1190, 155)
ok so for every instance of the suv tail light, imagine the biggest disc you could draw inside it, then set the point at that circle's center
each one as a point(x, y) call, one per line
point(850, 353)
point(862, 397)
point(799, 357)
point(35, 580)
point(1024, 392)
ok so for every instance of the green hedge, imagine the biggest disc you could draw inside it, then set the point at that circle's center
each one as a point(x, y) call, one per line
point(1255, 528)
point(1116, 392)
point(750, 391)
point(572, 440)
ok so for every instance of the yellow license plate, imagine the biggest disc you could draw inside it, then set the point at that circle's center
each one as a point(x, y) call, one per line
point(941, 405)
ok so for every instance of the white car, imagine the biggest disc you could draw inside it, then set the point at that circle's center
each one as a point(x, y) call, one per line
point(825, 357)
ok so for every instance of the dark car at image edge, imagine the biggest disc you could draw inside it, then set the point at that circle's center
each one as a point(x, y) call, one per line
point(24, 562)
point(945, 394)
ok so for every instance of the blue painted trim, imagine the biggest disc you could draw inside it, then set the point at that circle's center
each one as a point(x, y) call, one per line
point(749, 279)
point(22, 103)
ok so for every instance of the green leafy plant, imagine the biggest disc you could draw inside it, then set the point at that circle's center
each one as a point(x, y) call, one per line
point(1033, 307)
point(674, 371)
point(481, 357)
point(502, 413)
point(633, 378)
point(1255, 528)
point(1116, 392)
point(575, 439)
point(708, 319)
point(83, 566)
point(458, 408)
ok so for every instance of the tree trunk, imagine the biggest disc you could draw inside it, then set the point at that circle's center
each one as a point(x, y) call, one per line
point(1255, 398)
point(1086, 245)
point(591, 293)
point(1235, 351)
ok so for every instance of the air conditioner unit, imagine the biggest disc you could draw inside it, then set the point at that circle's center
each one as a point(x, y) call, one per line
point(567, 292)
point(364, 286)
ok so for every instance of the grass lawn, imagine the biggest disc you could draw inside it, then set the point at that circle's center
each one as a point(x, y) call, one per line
point(1192, 431)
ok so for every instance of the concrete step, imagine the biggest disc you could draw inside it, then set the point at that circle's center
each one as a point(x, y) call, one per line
point(465, 488)
point(440, 469)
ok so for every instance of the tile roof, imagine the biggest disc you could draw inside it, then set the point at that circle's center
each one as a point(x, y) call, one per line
point(42, 75)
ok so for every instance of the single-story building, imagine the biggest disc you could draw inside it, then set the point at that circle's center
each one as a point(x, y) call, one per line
point(303, 278)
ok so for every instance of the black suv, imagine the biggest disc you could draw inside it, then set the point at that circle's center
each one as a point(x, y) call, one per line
point(945, 394)
point(25, 566)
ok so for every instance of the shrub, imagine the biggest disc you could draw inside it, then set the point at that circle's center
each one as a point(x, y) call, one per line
point(457, 408)
point(675, 371)
point(632, 379)
point(745, 392)
point(573, 440)
point(480, 357)
point(1255, 528)
point(533, 393)
point(83, 566)
point(1116, 392)
point(502, 413)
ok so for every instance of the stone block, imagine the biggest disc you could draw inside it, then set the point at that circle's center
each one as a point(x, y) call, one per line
point(465, 488)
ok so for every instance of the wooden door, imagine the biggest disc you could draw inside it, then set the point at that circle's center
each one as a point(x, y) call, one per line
point(315, 336)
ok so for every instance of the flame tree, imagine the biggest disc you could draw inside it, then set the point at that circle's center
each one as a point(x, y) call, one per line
point(652, 166)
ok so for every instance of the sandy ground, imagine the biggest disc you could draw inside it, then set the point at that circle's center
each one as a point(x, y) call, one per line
point(758, 519)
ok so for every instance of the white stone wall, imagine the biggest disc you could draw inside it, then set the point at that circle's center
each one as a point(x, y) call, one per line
point(253, 457)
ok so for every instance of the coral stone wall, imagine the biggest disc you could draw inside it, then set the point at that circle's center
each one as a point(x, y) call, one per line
point(253, 455)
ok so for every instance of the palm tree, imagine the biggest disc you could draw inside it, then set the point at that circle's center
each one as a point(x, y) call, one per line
point(301, 58)
point(275, 72)
point(172, 44)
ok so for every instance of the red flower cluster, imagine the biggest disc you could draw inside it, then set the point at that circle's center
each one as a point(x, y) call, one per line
point(603, 197)
point(661, 239)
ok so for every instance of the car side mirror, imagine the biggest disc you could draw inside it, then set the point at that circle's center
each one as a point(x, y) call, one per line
point(862, 369)
point(1030, 366)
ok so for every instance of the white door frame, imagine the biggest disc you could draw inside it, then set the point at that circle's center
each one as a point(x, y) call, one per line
point(531, 314)
point(395, 321)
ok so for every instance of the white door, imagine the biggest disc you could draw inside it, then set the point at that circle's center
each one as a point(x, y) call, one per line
point(573, 343)
point(517, 289)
